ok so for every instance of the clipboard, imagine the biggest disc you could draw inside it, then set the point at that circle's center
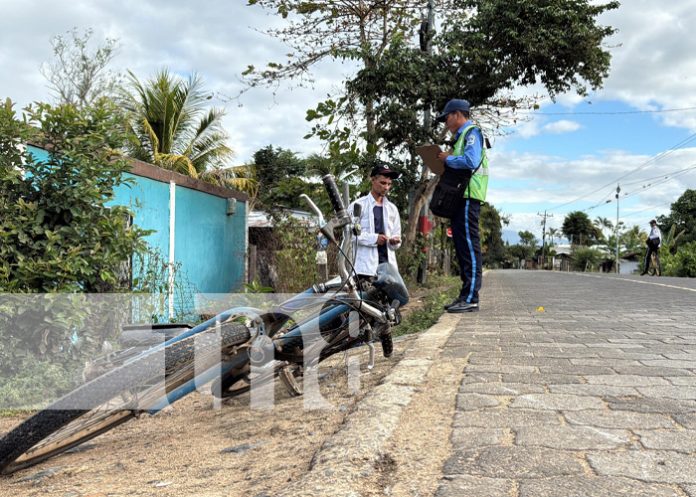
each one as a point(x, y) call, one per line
point(428, 153)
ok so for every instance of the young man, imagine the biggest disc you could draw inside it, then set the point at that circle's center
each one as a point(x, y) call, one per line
point(469, 153)
point(380, 224)
point(654, 240)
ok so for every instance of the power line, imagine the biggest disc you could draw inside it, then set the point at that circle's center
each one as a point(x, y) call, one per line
point(663, 179)
point(693, 166)
point(606, 113)
point(641, 166)
point(652, 207)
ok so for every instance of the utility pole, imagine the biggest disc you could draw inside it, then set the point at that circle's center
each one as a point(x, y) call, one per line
point(616, 232)
point(543, 236)
point(426, 33)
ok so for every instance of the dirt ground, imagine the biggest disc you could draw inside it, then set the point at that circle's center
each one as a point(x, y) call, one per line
point(200, 448)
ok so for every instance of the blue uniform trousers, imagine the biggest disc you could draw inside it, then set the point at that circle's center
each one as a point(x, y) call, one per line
point(465, 233)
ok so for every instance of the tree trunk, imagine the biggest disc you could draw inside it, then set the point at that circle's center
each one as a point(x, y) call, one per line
point(421, 195)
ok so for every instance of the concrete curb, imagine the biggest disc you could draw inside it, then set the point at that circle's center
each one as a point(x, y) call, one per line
point(352, 453)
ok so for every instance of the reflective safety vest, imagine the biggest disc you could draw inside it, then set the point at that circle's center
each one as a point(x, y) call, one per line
point(478, 184)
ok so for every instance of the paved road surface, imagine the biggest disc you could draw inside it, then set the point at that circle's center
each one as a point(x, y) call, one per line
point(594, 395)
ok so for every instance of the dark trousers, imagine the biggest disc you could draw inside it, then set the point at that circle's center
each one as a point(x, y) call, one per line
point(465, 233)
point(652, 248)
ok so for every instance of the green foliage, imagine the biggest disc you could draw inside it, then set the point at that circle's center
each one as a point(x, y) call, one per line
point(279, 173)
point(411, 256)
point(256, 287)
point(420, 319)
point(294, 253)
point(682, 263)
point(169, 125)
point(528, 239)
point(585, 259)
point(34, 384)
point(683, 216)
point(578, 228)
point(153, 274)
point(632, 240)
point(515, 253)
point(492, 245)
point(58, 235)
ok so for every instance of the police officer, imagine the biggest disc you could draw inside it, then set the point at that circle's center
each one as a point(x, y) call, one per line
point(469, 153)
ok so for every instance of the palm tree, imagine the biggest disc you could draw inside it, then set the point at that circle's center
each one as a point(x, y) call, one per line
point(241, 178)
point(553, 233)
point(601, 223)
point(169, 126)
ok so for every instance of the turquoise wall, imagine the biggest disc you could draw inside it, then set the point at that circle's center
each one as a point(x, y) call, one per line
point(209, 244)
point(148, 200)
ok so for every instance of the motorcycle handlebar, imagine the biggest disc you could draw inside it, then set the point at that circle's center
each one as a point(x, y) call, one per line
point(334, 195)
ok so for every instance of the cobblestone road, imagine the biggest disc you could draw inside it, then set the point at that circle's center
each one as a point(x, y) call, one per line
point(593, 395)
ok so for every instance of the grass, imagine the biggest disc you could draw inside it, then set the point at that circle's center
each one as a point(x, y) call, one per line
point(439, 290)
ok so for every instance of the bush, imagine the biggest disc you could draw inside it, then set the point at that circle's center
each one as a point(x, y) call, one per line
point(682, 263)
point(57, 234)
point(585, 259)
point(37, 383)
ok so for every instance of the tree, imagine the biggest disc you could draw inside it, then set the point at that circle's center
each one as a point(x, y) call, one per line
point(78, 76)
point(529, 242)
point(242, 178)
point(633, 240)
point(601, 223)
point(485, 48)
point(553, 234)
point(280, 174)
point(492, 245)
point(578, 228)
point(169, 126)
point(683, 216)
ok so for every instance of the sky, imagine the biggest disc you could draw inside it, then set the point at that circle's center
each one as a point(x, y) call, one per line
point(638, 131)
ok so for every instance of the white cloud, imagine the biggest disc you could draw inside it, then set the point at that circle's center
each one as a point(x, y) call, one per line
point(653, 68)
point(652, 58)
point(562, 126)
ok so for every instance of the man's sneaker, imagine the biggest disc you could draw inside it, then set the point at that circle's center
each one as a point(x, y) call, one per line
point(456, 301)
point(463, 307)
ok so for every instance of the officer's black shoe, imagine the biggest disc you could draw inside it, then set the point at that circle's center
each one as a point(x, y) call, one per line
point(463, 307)
point(456, 301)
point(643, 273)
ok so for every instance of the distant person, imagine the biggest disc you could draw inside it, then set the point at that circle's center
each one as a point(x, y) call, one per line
point(469, 153)
point(654, 241)
point(380, 224)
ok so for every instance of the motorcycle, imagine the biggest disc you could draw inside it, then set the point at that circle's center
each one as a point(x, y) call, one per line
point(239, 350)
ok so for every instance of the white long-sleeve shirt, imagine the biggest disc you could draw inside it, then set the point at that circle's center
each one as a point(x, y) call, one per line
point(367, 258)
point(655, 233)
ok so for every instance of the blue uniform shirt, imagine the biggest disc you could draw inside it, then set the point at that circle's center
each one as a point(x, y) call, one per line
point(472, 150)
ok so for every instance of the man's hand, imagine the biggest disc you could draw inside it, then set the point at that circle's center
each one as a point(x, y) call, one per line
point(443, 156)
point(395, 240)
point(382, 239)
